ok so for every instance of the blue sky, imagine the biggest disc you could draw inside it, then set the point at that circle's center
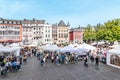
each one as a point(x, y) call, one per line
point(77, 12)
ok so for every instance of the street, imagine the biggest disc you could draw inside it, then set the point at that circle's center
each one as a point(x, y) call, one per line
point(33, 71)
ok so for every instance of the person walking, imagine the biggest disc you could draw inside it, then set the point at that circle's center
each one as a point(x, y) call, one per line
point(57, 60)
point(85, 61)
point(92, 60)
point(42, 62)
point(97, 61)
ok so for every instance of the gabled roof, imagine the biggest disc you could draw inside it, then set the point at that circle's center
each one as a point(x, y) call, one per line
point(61, 23)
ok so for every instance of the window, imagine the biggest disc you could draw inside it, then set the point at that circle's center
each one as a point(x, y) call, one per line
point(34, 28)
point(65, 35)
point(14, 22)
point(55, 35)
point(25, 24)
point(48, 35)
point(48, 30)
point(59, 35)
point(28, 24)
point(0, 32)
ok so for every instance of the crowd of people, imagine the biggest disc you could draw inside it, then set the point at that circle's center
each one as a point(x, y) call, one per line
point(12, 63)
point(67, 58)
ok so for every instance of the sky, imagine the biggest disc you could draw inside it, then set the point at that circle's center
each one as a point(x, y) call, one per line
point(76, 12)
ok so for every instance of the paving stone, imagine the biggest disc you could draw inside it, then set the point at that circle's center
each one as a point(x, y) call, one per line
point(33, 71)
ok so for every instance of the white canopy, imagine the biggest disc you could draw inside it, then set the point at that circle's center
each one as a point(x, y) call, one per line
point(77, 49)
point(16, 50)
point(50, 48)
point(6, 49)
point(116, 50)
point(15, 45)
point(86, 47)
point(68, 49)
point(111, 52)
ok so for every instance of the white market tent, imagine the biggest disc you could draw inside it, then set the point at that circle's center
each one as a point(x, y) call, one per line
point(113, 57)
point(14, 44)
point(5, 49)
point(80, 51)
point(77, 49)
point(34, 44)
point(9, 49)
point(50, 48)
point(86, 47)
point(68, 48)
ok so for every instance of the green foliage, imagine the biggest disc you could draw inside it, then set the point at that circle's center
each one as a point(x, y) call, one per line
point(109, 31)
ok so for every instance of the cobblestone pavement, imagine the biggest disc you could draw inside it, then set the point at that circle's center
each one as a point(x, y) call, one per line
point(33, 71)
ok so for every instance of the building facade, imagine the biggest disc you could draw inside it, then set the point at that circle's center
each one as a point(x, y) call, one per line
point(47, 34)
point(54, 33)
point(10, 30)
point(30, 31)
point(76, 36)
point(36, 31)
point(27, 31)
point(62, 32)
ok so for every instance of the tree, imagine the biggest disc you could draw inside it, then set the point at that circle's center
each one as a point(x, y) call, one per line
point(89, 33)
point(109, 31)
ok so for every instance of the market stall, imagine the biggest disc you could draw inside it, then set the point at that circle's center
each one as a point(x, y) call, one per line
point(86, 47)
point(68, 49)
point(113, 57)
point(10, 50)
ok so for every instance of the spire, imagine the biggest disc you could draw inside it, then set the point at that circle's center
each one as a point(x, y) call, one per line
point(68, 24)
point(79, 27)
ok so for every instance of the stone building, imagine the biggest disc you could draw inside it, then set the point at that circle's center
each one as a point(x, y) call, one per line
point(63, 32)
